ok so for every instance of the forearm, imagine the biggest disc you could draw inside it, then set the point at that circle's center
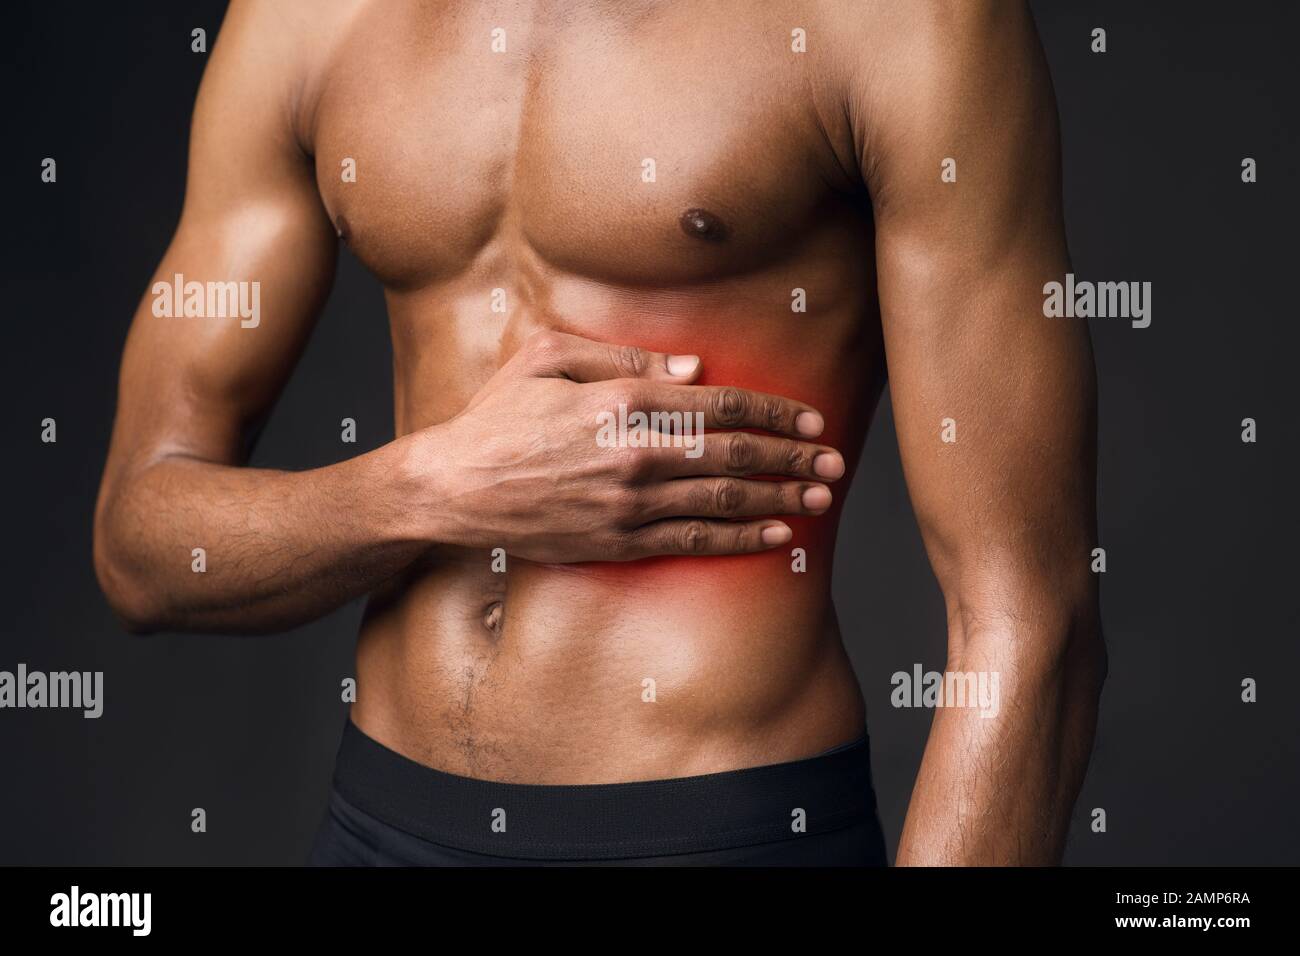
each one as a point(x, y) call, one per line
point(999, 789)
point(279, 549)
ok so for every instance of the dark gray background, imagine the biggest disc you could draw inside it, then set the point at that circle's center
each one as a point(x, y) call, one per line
point(1199, 527)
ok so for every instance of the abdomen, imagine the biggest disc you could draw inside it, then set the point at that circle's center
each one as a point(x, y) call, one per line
point(602, 672)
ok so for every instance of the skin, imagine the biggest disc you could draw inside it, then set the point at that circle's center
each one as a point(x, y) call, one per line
point(522, 171)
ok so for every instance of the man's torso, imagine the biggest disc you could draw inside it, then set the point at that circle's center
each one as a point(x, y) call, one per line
point(673, 176)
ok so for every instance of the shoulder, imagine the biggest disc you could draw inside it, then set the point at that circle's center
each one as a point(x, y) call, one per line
point(886, 51)
point(278, 53)
point(889, 28)
point(925, 76)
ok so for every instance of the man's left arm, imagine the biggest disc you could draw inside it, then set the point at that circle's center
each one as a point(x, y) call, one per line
point(995, 408)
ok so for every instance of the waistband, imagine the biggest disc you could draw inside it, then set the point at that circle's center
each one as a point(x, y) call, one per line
point(607, 821)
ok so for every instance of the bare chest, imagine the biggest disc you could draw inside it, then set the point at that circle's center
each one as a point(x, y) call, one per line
point(653, 147)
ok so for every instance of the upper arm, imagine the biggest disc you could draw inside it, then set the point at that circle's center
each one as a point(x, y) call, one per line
point(961, 268)
point(251, 214)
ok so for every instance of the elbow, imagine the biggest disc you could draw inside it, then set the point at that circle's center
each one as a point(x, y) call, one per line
point(1048, 630)
point(137, 610)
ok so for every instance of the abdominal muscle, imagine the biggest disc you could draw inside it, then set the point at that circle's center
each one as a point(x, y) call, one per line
point(596, 678)
point(601, 673)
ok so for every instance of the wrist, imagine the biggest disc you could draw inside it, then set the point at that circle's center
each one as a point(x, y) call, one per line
point(416, 469)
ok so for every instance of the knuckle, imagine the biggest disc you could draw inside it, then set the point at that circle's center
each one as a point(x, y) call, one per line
point(630, 361)
point(637, 465)
point(544, 350)
point(628, 505)
point(610, 395)
point(772, 414)
point(727, 497)
point(745, 538)
point(626, 393)
point(693, 537)
point(544, 342)
point(780, 496)
point(728, 406)
point(738, 452)
point(624, 544)
point(797, 460)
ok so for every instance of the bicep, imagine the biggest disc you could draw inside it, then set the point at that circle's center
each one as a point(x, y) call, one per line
point(994, 402)
point(252, 217)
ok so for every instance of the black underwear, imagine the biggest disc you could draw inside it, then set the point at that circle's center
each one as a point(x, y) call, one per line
point(386, 810)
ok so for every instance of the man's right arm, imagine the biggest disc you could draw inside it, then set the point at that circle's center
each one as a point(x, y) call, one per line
point(193, 390)
point(519, 469)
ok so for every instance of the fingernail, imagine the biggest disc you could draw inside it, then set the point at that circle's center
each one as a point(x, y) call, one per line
point(828, 465)
point(817, 498)
point(809, 423)
point(775, 534)
point(683, 364)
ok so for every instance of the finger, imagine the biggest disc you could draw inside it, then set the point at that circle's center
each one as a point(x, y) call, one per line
point(735, 498)
point(742, 454)
point(695, 536)
point(551, 354)
point(724, 406)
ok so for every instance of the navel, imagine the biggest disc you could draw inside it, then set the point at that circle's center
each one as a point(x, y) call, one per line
point(493, 617)
point(702, 224)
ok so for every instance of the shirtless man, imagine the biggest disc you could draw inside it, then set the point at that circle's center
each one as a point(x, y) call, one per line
point(746, 210)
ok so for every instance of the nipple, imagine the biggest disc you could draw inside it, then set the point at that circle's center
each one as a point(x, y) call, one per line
point(702, 224)
point(341, 228)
